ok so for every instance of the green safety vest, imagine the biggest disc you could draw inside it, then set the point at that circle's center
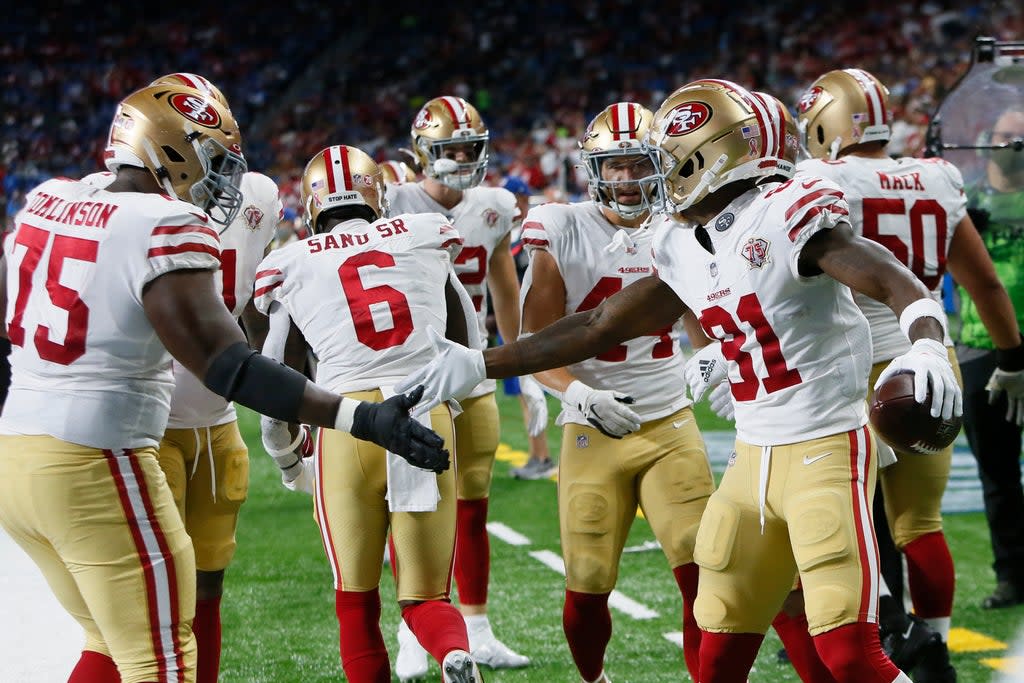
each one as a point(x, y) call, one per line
point(1004, 239)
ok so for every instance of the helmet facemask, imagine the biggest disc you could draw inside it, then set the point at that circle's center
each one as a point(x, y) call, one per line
point(218, 190)
point(458, 175)
point(643, 182)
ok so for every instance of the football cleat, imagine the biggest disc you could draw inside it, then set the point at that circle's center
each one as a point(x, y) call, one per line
point(488, 651)
point(1006, 594)
point(908, 648)
point(935, 666)
point(536, 469)
point(411, 663)
point(458, 667)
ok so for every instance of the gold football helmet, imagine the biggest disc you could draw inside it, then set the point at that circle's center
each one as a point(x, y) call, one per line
point(195, 82)
point(842, 108)
point(617, 132)
point(115, 157)
point(189, 142)
point(342, 176)
point(707, 134)
point(787, 136)
point(449, 141)
point(397, 172)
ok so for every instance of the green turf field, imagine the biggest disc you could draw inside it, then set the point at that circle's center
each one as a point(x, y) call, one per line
point(279, 624)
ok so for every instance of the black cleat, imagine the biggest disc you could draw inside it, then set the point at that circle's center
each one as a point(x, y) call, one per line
point(1006, 594)
point(908, 648)
point(935, 666)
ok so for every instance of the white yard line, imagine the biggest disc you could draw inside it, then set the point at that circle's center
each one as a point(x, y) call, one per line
point(626, 605)
point(507, 534)
point(39, 641)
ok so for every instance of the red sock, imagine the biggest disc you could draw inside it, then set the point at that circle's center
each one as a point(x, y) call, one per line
point(93, 667)
point(686, 578)
point(931, 575)
point(206, 627)
point(800, 648)
point(363, 654)
point(588, 628)
point(438, 626)
point(472, 552)
point(727, 657)
point(854, 654)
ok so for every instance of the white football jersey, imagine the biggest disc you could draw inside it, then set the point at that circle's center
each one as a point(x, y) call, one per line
point(798, 348)
point(483, 217)
point(87, 366)
point(242, 246)
point(363, 296)
point(909, 206)
point(650, 368)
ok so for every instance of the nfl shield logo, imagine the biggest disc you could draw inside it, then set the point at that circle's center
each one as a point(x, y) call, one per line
point(582, 441)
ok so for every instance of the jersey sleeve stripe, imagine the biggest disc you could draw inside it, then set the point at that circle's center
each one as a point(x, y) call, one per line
point(812, 197)
point(534, 242)
point(269, 271)
point(451, 242)
point(269, 288)
point(187, 247)
point(183, 229)
point(812, 213)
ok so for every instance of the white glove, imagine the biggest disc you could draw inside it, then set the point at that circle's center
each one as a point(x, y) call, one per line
point(705, 368)
point(929, 361)
point(536, 405)
point(720, 400)
point(606, 410)
point(289, 454)
point(304, 477)
point(1013, 384)
point(453, 373)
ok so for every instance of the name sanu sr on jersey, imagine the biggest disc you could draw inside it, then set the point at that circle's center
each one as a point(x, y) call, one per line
point(364, 295)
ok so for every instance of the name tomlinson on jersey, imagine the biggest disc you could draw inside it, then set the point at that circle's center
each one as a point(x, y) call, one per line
point(89, 214)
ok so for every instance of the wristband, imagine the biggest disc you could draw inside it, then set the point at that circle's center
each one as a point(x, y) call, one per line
point(346, 414)
point(922, 308)
point(1011, 360)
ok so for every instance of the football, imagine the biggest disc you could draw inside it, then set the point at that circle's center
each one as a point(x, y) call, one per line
point(907, 425)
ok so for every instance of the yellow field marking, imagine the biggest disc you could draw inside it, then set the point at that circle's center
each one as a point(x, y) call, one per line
point(1010, 665)
point(965, 640)
point(506, 453)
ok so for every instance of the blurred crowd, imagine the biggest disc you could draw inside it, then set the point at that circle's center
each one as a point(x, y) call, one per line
point(300, 79)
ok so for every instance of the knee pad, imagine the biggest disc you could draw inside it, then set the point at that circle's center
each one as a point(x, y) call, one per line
point(716, 537)
point(233, 477)
point(590, 518)
point(818, 533)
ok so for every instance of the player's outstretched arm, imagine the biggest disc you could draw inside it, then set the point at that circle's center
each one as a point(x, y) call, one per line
point(642, 307)
point(870, 269)
point(189, 316)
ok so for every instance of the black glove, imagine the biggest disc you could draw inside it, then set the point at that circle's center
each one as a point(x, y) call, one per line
point(389, 424)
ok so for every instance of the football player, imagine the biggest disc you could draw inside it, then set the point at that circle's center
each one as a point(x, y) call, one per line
point(397, 172)
point(102, 287)
point(202, 453)
point(767, 267)
point(362, 291)
point(450, 142)
point(616, 453)
point(916, 209)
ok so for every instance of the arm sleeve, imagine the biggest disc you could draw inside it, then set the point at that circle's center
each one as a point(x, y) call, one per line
point(277, 334)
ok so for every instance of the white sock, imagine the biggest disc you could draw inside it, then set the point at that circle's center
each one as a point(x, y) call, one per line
point(941, 626)
point(883, 587)
point(476, 622)
point(902, 678)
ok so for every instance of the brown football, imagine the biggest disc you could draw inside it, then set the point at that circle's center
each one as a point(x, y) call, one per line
point(907, 425)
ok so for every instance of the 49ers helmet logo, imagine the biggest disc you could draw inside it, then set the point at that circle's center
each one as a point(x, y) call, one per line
point(687, 117)
point(423, 119)
point(195, 108)
point(808, 99)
